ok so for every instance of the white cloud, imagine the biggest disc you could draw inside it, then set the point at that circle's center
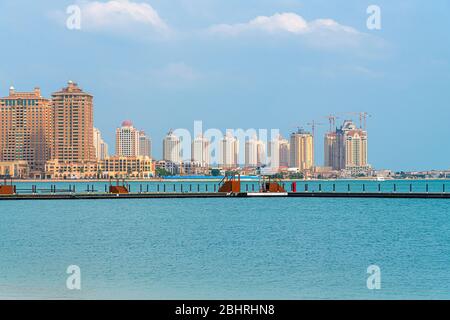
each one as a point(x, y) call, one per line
point(290, 23)
point(120, 15)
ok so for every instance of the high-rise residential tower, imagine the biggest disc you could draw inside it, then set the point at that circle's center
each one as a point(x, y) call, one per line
point(346, 148)
point(229, 151)
point(200, 151)
point(284, 153)
point(330, 149)
point(171, 148)
point(355, 142)
point(302, 150)
point(101, 148)
point(279, 152)
point(26, 129)
point(255, 152)
point(251, 152)
point(127, 140)
point(145, 145)
point(260, 153)
point(73, 124)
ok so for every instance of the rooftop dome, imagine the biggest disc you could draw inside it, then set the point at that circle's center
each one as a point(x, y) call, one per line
point(127, 123)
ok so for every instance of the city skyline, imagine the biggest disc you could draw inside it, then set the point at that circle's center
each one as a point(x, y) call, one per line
point(132, 142)
point(57, 136)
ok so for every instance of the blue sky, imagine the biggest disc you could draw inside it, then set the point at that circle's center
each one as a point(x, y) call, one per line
point(246, 64)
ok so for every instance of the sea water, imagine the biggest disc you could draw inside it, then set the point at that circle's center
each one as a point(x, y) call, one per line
point(226, 248)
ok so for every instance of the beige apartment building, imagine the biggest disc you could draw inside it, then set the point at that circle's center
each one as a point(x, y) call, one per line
point(26, 129)
point(200, 152)
point(110, 167)
point(171, 148)
point(135, 167)
point(346, 148)
point(255, 152)
point(56, 169)
point(127, 140)
point(355, 141)
point(302, 150)
point(145, 144)
point(229, 151)
point(251, 152)
point(284, 152)
point(73, 116)
point(279, 151)
point(100, 146)
point(14, 169)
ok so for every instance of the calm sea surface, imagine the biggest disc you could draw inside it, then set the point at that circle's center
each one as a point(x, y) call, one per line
point(289, 248)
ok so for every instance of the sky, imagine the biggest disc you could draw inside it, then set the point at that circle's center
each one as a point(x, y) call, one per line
point(264, 64)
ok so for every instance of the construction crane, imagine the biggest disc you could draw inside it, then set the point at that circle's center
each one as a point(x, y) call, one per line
point(298, 128)
point(332, 120)
point(362, 118)
point(313, 125)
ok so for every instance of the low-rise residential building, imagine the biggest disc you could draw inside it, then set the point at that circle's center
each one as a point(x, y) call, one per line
point(131, 167)
point(168, 166)
point(55, 169)
point(110, 167)
point(194, 168)
point(14, 169)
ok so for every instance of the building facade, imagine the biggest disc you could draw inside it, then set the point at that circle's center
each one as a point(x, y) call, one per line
point(145, 145)
point(229, 151)
point(279, 153)
point(171, 148)
point(331, 151)
point(26, 129)
point(14, 169)
point(284, 153)
point(193, 168)
point(131, 167)
point(200, 153)
point(56, 169)
point(260, 153)
point(168, 166)
point(251, 152)
point(110, 167)
point(346, 148)
point(302, 150)
point(355, 141)
point(73, 125)
point(101, 147)
point(127, 140)
point(255, 152)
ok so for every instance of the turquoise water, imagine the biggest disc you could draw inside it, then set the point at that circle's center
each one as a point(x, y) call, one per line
point(290, 248)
